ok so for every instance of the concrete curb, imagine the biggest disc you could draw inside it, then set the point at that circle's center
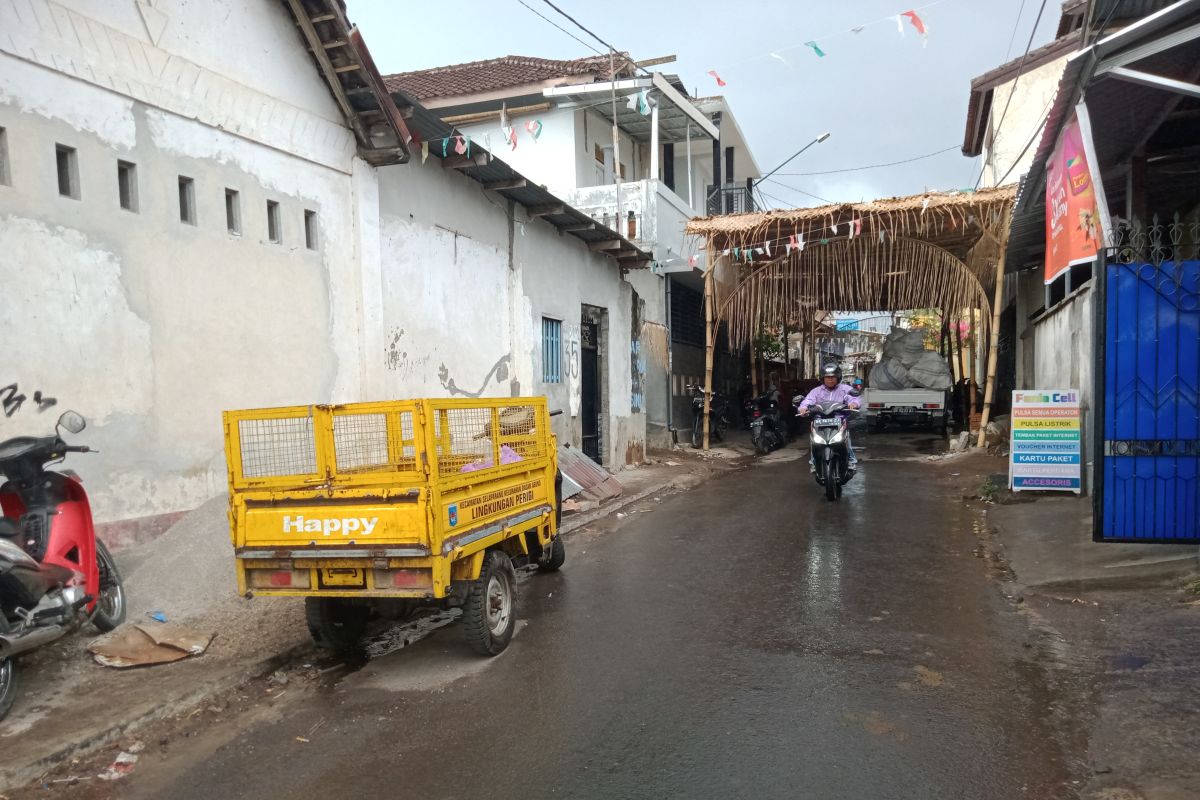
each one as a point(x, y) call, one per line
point(621, 502)
point(14, 777)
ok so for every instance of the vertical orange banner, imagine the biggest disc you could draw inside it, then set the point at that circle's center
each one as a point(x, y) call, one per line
point(1072, 216)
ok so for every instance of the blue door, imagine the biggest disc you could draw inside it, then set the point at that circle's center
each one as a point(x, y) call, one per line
point(1148, 447)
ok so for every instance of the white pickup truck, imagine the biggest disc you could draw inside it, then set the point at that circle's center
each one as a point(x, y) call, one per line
point(906, 407)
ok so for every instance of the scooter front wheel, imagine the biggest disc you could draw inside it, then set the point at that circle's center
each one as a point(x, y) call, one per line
point(697, 433)
point(8, 676)
point(831, 482)
point(110, 605)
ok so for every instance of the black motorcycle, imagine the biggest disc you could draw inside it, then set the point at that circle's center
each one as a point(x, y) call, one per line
point(718, 410)
point(767, 430)
point(828, 436)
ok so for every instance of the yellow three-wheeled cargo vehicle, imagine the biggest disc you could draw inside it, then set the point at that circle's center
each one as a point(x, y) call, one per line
point(383, 507)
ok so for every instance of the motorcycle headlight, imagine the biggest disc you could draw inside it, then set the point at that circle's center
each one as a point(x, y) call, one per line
point(838, 435)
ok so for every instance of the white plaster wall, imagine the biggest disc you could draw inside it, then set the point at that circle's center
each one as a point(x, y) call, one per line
point(461, 319)
point(179, 60)
point(148, 326)
point(549, 161)
point(1064, 356)
point(558, 275)
point(594, 131)
point(1005, 139)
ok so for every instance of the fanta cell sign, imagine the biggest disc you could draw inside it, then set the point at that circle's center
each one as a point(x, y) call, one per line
point(1045, 452)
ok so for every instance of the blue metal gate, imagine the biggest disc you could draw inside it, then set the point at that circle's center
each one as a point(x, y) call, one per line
point(1148, 390)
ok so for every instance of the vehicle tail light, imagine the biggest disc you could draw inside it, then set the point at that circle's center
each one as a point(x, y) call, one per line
point(932, 405)
point(403, 579)
point(278, 579)
point(757, 414)
point(874, 405)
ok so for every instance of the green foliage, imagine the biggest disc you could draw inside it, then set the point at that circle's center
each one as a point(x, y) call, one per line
point(768, 345)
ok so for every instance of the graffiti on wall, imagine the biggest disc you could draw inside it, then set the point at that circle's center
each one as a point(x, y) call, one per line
point(11, 399)
point(498, 373)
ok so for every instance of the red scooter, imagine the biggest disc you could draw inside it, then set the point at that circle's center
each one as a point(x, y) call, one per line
point(54, 573)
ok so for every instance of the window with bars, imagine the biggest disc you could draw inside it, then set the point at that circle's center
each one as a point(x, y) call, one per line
point(551, 350)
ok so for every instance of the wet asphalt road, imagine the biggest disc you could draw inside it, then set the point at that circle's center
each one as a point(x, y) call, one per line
point(746, 639)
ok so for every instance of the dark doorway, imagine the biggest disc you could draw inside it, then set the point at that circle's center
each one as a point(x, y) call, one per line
point(589, 336)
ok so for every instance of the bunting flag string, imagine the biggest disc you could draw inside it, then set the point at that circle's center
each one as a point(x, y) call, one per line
point(534, 127)
point(916, 20)
point(827, 231)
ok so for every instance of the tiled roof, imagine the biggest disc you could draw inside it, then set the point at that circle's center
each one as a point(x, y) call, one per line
point(493, 74)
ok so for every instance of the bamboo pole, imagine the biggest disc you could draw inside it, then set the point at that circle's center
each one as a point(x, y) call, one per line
point(974, 362)
point(962, 372)
point(753, 370)
point(710, 341)
point(994, 346)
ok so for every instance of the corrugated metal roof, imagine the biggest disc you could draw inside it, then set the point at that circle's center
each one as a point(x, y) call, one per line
point(1028, 224)
point(492, 172)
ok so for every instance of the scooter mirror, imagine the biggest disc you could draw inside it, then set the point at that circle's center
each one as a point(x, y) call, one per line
point(798, 399)
point(72, 421)
point(855, 393)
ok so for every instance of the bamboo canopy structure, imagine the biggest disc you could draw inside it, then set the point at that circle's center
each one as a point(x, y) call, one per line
point(940, 250)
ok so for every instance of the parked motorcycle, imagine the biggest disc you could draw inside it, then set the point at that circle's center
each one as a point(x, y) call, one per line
point(767, 430)
point(831, 457)
point(718, 410)
point(54, 573)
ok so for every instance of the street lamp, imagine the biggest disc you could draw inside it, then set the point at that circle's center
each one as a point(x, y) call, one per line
point(817, 140)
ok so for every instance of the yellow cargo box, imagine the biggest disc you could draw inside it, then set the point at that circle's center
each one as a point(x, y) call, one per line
point(372, 508)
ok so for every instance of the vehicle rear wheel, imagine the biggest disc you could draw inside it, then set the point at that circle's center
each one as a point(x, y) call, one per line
point(336, 623)
point(110, 605)
point(489, 615)
point(555, 558)
point(831, 481)
point(8, 677)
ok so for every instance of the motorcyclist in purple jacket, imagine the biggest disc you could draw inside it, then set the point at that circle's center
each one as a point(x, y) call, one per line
point(832, 390)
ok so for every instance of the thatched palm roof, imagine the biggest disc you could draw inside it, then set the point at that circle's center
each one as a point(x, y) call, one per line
point(937, 249)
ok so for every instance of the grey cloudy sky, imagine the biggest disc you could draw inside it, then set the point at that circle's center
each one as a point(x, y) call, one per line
point(883, 97)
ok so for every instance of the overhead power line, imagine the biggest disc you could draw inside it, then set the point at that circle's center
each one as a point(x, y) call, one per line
point(1016, 27)
point(1013, 90)
point(801, 191)
point(561, 28)
point(871, 166)
point(581, 27)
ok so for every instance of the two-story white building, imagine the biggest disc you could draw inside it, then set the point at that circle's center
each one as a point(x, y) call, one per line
point(201, 212)
point(554, 122)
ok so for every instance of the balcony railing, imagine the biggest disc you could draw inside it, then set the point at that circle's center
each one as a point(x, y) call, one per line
point(651, 214)
point(732, 198)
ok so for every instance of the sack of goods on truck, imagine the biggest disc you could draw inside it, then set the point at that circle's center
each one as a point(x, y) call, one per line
point(906, 346)
point(930, 372)
point(889, 374)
